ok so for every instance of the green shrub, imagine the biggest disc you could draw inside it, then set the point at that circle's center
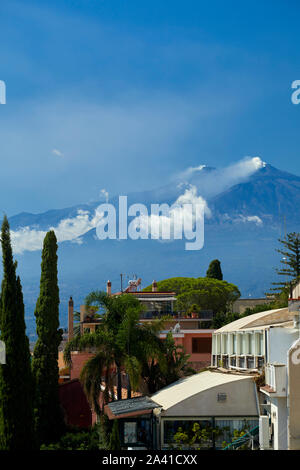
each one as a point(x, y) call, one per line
point(76, 440)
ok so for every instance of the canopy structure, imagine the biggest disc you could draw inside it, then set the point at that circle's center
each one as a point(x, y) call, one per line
point(259, 320)
point(131, 407)
point(209, 394)
point(206, 394)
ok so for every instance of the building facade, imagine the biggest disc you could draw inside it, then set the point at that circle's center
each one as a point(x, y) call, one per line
point(261, 344)
point(191, 332)
point(215, 401)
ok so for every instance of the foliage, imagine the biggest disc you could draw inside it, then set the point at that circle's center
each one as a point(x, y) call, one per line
point(290, 251)
point(48, 416)
point(280, 301)
point(76, 440)
point(121, 342)
point(171, 365)
point(199, 436)
point(194, 308)
point(76, 328)
point(16, 386)
point(176, 361)
point(195, 438)
point(214, 270)
point(222, 319)
point(276, 304)
point(236, 439)
point(206, 293)
point(114, 441)
point(104, 431)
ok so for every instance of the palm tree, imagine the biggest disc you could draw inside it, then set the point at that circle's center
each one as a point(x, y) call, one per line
point(121, 343)
point(177, 361)
point(141, 346)
point(76, 324)
point(159, 374)
point(76, 328)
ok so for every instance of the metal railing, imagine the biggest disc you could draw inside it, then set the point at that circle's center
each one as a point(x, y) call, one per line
point(250, 437)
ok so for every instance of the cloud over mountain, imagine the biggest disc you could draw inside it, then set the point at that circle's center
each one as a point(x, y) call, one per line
point(196, 190)
point(213, 181)
point(31, 239)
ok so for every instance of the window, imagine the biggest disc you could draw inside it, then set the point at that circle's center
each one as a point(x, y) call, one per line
point(222, 396)
point(171, 427)
point(136, 431)
point(228, 426)
point(201, 345)
point(233, 361)
point(251, 363)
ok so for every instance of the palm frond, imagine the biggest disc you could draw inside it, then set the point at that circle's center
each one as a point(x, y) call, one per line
point(91, 378)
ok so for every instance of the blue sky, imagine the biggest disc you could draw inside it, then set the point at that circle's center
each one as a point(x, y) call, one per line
point(123, 95)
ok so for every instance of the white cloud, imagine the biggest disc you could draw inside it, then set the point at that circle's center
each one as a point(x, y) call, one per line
point(71, 229)
point(157, 224)
point(29, 239)
point(104, 193)
point(57, 152)
point(218, 180)
point(250, 218)
point(191, 170)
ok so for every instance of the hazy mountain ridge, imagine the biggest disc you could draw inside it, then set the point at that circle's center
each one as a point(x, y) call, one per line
point(246, 221)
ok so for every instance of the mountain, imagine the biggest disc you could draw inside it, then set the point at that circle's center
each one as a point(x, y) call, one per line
point(270, 194)
point(248, 214)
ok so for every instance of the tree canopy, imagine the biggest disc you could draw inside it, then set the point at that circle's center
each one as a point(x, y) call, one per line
point(121, 342)
point(207, 293)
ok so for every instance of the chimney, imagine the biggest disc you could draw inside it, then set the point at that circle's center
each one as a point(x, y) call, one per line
point(70, 319)
point(108, 288)
point(154, 286)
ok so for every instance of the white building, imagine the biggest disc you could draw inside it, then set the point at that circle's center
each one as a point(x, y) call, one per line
point(211, 399)
point(260, 343)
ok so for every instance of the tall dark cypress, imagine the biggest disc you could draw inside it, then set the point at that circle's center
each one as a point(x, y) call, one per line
point(48, 416)
point(16, 390)
point(214, 270)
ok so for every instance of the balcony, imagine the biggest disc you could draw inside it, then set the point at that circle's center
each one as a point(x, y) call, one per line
point(152, 314)
point(276, 380)
point(203, 315)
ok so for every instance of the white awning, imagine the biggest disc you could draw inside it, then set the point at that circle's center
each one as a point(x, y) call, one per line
point(198, 395)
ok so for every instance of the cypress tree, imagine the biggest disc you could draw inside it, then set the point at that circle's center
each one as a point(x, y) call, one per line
point(214, 270)
point(16, 390)
point(48, 415)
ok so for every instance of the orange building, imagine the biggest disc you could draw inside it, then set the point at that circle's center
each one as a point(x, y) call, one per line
point(190, 331)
